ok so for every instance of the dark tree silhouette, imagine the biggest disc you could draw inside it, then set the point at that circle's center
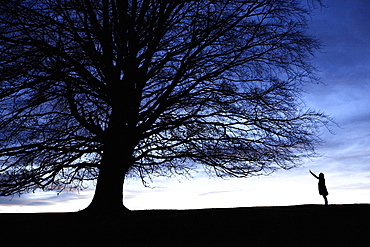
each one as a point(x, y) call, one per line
point(103, 89)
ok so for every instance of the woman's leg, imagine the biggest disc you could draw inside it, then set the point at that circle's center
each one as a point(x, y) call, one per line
point(326, 200)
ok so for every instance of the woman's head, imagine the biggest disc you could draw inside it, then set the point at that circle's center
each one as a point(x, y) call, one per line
point(321, 175)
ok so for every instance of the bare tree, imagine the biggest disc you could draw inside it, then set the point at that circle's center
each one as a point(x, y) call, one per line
point(99, 89)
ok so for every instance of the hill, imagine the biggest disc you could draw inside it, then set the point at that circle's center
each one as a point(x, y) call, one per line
point(304, 225)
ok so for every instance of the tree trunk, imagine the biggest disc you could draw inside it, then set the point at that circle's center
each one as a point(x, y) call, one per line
point(116, 160)
point(108, 197)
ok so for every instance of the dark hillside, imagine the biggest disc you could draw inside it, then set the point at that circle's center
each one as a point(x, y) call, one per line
point(306, 225)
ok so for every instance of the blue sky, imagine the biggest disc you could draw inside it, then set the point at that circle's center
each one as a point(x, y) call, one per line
point(344, 64)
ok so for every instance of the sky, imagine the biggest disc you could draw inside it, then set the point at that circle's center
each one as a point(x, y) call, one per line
point(344, 68)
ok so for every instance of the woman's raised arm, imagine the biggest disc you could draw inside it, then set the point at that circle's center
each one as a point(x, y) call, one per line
point(313, 174)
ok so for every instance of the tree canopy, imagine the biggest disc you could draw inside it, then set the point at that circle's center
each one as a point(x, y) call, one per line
point(102, 89)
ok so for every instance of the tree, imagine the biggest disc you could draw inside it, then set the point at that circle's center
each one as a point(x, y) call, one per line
point(103, 89)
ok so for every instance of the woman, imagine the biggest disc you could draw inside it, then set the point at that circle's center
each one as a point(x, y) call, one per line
point(322, 187)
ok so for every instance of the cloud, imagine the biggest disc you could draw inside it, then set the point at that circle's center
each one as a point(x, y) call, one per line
point(353, 186)
point(17, 201)
point(46, 202)
point(343, 28)
point(218, 192)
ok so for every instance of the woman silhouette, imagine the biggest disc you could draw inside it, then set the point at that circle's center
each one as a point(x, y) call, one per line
point(322, 187)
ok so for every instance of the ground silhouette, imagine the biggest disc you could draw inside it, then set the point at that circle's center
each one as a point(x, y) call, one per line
point(304, 225)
